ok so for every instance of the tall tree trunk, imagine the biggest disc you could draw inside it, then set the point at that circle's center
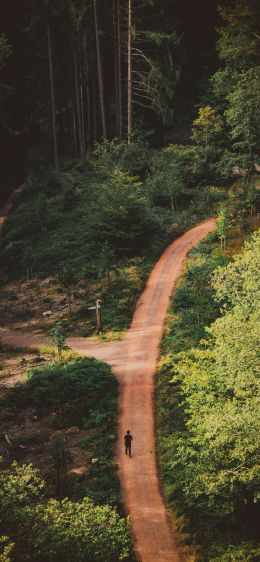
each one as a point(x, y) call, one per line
point(120, 111)
point(100, 75)
point(52, 91)
point(89, 136)
point(78, 111)
point(129, 75)
point(67, 121)
point(82, 118)
point(82, 106)
point(115, 68)
point(74, 125)
point(95, 131)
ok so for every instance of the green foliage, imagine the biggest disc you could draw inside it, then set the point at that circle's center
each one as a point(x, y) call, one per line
point(222, 226)
point(235, 85)
point(58, 336)
point(207, 416)
point(106, 256)
point(5, 50)
point(223, 82)
point(109, 205)
point(170, 175)
point(208, 137)
point(60, 455)
point(251, 196)
point(67, 279)
point(238, 283)
point(235, 553)
point(159, 79)
point(60, 459)
point(19, 486)
point(6, 548)
point(243, 115)
point(134, 158)
point(122, 213)
point(51, 531)
point(238, 39)
point(193, 304)
point(82, 393)
point(82, 381)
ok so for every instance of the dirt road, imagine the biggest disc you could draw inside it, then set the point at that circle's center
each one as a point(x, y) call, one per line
point(134, 362)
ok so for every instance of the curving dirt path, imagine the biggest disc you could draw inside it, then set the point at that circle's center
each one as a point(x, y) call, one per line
point(134, 362)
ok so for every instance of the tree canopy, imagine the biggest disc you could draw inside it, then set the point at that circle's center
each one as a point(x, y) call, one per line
point(56, 530)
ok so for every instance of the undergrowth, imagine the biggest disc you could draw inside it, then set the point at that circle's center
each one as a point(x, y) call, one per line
point(78, 393)
point(192, 309)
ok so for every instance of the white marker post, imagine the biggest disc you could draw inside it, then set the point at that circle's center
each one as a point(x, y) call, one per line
point(97, 308)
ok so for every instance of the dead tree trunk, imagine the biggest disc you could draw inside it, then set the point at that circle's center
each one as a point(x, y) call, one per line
point(100, 75)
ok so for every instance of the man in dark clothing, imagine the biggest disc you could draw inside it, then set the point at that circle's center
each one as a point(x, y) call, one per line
point(128, 442)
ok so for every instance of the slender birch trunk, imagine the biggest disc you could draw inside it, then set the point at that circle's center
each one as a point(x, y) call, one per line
point(129, 79)
point(100, 75)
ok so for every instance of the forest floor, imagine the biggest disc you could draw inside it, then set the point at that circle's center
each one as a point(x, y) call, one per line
point(133, 360)
point(28, 432)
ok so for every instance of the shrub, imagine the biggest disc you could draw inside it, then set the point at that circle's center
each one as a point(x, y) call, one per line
point(55, 531)
point(85, 384)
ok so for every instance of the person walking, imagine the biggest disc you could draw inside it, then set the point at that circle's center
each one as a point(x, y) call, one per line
point(128, 442)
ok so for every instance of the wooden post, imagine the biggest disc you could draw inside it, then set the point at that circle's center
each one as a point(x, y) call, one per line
point(98, 316)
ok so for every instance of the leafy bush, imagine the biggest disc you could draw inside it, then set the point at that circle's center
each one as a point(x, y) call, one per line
point(232, 553)
point(170, 175)
point(193, 304)
point(60, 457)
point(207, 396)
point(83, 393)
point(67, 217)
point(207, 402)
point(6, 548)
point(133, 159)
point(86, 383)
point(53, 531)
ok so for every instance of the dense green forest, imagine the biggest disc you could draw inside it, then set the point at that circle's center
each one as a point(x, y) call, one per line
point(129, 122)
point(207, 402)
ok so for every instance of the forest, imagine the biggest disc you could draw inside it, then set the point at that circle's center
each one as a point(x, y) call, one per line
point(126, 124)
